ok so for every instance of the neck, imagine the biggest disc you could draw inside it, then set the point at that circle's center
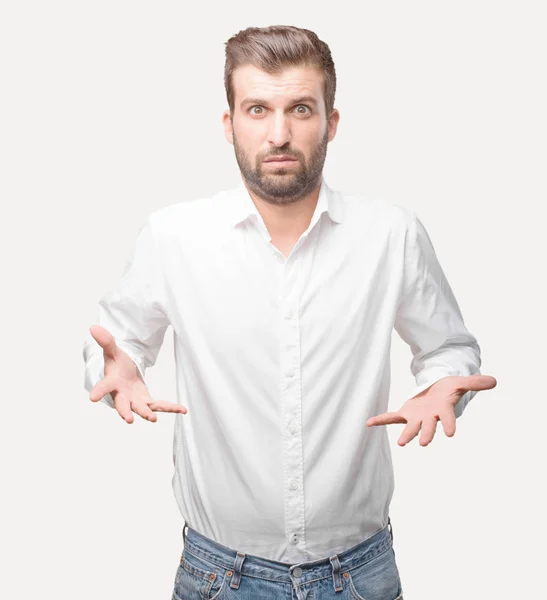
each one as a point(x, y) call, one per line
point(287, 220)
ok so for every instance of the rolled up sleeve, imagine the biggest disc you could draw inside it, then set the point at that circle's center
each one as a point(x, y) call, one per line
point(429, 319)
point(134, 312)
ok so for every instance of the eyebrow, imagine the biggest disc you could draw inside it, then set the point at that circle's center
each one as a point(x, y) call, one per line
point(299, 100)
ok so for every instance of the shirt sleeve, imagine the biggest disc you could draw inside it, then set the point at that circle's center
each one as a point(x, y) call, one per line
point(429, 319)
point(134, 312)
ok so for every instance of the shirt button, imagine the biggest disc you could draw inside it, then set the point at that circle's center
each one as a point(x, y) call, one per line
point(297, 572)
point(288, 314)
point(293, 429)
point(289, 373)
point(293, 485)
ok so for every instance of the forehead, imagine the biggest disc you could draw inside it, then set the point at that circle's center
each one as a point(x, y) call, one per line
point(250, 81)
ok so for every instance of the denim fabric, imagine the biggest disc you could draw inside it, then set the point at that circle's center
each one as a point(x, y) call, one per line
point(211, 571)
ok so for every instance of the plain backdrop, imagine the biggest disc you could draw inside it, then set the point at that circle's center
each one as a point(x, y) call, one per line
point(112, 109)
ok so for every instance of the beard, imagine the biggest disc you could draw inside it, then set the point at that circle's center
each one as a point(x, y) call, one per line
point(283, 186)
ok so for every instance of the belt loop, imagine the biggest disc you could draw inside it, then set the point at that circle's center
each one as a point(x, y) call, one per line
point(335, 562)
point(238, 562)
point(184, 543)
point(390, 528)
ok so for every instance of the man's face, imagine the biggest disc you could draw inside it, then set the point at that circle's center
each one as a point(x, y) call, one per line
point(280, 115)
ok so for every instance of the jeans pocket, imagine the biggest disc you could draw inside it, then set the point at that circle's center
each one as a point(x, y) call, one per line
point(197, 579)
point(377, 579)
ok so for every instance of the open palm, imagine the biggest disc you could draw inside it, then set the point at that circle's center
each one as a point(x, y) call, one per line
point(123, 382)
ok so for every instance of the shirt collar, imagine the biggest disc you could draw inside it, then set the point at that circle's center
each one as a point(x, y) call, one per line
point(240, 205)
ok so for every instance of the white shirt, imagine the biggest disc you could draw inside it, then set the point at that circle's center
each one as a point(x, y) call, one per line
point(281, 361)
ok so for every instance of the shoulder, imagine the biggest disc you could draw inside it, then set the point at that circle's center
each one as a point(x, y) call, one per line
point(363, 208)
point(188, 216)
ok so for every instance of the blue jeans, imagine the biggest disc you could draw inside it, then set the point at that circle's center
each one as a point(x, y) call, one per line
point(211, 571)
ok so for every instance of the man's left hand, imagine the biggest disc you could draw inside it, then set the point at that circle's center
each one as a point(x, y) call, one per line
point(435, 403)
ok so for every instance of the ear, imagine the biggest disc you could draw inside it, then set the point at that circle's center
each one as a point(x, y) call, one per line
point(228, 131)
point(332, 124)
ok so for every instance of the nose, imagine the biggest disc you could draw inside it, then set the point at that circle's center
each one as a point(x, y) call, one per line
point(279, 132)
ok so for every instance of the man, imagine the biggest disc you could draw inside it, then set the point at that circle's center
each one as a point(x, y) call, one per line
point(283, 294)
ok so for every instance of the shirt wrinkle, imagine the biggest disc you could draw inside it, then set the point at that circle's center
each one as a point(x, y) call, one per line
point(281, 361)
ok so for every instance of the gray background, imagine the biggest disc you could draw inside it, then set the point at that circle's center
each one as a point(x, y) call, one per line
point(110, 110)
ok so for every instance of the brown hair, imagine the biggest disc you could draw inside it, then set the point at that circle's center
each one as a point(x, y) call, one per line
point(274, 48)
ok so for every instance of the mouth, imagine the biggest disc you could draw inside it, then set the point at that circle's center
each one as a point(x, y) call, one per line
point(281, 162)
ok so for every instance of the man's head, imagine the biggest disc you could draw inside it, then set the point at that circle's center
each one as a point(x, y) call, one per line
point(280, 85)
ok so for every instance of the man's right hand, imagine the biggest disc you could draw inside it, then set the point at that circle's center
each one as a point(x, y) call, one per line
point(123, 382)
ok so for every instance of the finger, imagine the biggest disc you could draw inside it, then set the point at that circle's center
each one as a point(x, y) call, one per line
point(105, 340)
point(409, 432)
point(429, 427)
point(103, 387)
point(162, 406)
point(448, 420)
point(140, 406)
point(386, 419)
point(475, 382)
point(123, 406)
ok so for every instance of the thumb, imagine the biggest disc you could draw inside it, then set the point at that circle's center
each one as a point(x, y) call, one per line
point(105, 340)
point(476, 382)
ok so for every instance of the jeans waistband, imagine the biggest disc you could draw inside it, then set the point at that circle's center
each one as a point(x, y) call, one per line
point(247, 564)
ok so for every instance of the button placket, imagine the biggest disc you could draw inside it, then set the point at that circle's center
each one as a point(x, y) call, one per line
point(291, 401)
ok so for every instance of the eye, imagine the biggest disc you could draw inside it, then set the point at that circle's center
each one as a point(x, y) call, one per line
point(304, 106)
point(255, 106)
point(251, 109)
